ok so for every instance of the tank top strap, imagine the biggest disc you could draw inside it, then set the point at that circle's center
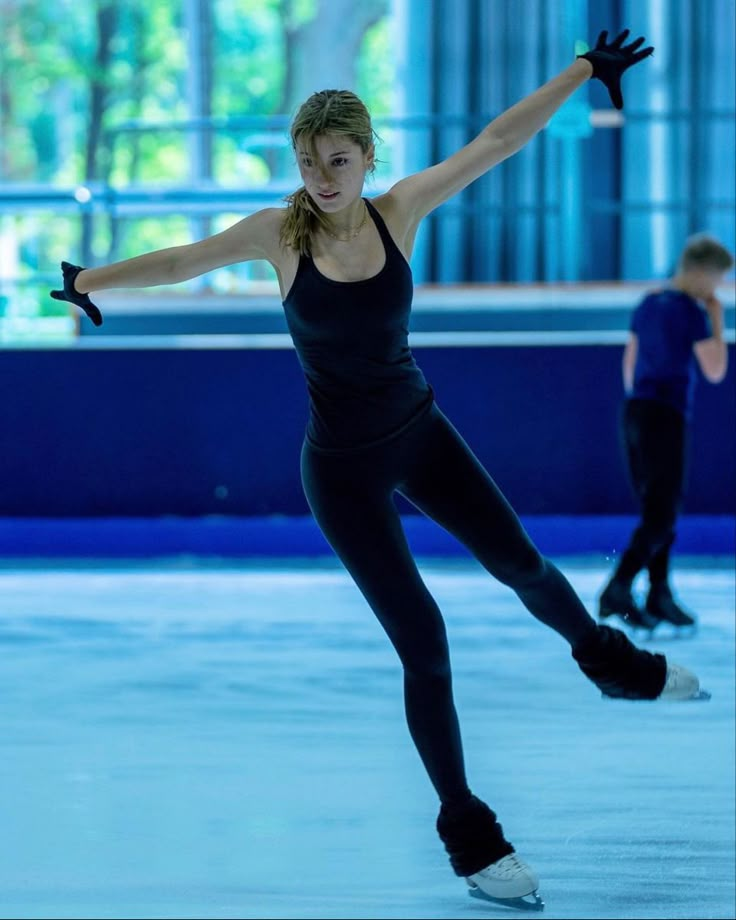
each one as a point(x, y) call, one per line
point(382, 228)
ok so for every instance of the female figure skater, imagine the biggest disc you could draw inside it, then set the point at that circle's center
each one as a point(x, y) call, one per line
point(374, 427)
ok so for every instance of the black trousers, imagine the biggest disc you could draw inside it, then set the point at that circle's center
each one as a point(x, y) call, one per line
point(656, 445)
point(351, 496)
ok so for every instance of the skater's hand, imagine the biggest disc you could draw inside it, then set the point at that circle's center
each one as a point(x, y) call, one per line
point(714, 309)
point(72, 295)
point(713, 304)
point(610, 60)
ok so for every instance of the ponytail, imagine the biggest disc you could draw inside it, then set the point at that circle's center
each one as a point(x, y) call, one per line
point(300, 222)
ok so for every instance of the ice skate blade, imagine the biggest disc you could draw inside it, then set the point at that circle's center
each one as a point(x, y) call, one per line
point(698, 696)
point(515, 903)
point(625, 622)
point(642, 633)
point(667, 630)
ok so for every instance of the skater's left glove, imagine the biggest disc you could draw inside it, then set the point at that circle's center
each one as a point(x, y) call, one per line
point(610, 59)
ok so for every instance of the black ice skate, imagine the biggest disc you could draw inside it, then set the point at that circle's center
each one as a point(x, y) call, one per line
point(617, 600)
point(622, 671)
point(663, 607)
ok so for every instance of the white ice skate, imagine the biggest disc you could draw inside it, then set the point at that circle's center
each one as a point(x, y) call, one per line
point(507, 881)
point(682, 684)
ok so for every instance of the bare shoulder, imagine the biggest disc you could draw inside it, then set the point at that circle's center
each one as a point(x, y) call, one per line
point(284, 259)
point(263, 229)
point(391, 205)
point(253, 237)
point(412, 198)
point(398, 216)
point(257, 236)
point(265, 225)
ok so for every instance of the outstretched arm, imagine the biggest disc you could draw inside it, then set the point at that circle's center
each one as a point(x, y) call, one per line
point(422, 192)
point(414, 197)
point(254, 237)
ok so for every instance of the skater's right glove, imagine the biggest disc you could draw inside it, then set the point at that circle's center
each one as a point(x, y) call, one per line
point(610, 60)
point(72, 295)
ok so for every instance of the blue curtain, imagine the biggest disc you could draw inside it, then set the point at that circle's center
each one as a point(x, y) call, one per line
point(678, 143)
point(615, 203)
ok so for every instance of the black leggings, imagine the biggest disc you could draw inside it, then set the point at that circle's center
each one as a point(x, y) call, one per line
point(351, 496)
point(655, 438)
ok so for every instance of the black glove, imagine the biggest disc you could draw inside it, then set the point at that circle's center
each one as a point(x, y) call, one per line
point(71, 294)
point(610, 61)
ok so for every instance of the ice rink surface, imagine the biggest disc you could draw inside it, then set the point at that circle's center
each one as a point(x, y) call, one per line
point(196, 740)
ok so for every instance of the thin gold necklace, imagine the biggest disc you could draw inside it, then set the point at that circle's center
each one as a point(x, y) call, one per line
point(351, 233)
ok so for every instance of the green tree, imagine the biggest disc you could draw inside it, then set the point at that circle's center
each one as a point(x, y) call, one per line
point(93, 93)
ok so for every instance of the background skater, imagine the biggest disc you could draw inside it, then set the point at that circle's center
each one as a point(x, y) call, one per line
point(674, 331)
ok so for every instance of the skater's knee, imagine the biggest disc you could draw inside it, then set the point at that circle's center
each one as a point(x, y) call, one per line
point(653, 536)
point(659, 512)
point(429, 666)
point(660, 527)
point(525, 570)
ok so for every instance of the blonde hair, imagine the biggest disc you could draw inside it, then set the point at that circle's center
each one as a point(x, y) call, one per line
point(704, 252)
point(330, 111)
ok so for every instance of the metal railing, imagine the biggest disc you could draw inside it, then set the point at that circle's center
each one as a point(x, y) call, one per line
point(410, 140)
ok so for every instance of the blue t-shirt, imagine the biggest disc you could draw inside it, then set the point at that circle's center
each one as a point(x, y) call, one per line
point(667, 324)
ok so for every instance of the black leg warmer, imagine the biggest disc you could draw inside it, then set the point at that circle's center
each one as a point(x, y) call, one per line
point(618, 668)
point(472, 836)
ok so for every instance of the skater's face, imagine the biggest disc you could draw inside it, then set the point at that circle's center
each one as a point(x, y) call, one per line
point(333, 169)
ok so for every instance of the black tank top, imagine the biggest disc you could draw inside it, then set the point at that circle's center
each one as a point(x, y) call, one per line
point(352, 341)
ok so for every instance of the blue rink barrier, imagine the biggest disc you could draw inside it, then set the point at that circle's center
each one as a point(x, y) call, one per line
point(278, 536)
point(189, 431)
